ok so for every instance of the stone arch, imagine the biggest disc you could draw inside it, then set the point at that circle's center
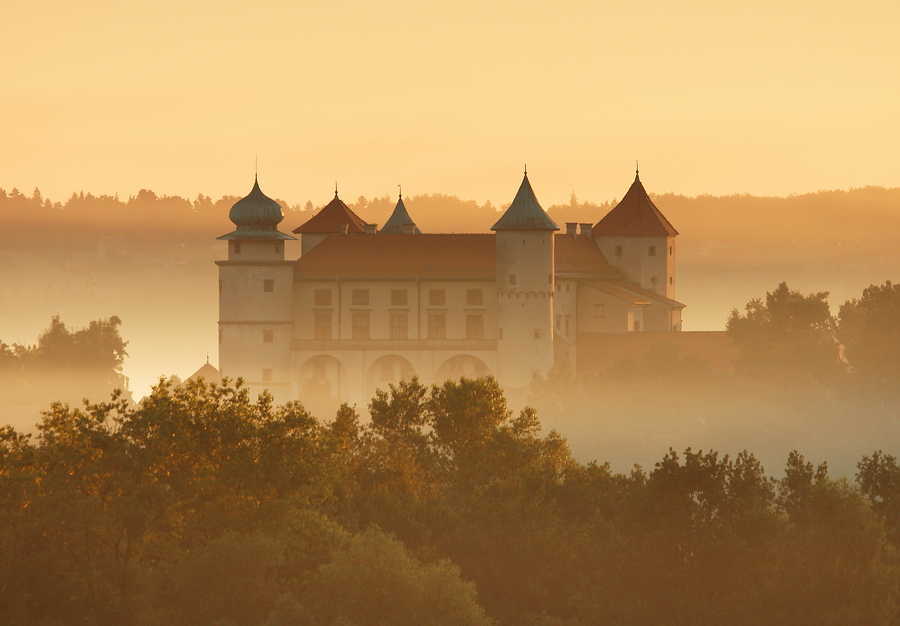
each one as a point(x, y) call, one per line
point(461, 365)
point(387, 369)
point(323, 383)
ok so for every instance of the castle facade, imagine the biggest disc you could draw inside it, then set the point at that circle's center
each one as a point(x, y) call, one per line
point(364, 307)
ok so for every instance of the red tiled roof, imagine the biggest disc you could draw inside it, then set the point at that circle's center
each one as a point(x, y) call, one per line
point(616, 292)
point(578, 255)
point(394, 256)
point(634, 216)
point(330, 218)
point(649, 294)
point(437, 255)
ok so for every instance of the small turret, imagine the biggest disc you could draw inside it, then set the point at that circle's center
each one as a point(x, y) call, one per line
point(400, 223)
point(256, 236)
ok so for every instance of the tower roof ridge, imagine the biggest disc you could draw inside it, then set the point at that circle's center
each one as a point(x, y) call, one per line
point(525, 212)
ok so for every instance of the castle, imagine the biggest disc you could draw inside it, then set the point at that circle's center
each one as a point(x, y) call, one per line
point(364, 307)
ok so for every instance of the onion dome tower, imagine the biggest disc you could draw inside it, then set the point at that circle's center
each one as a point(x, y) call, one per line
point(400, 223)
point(256, 297)
point(524, 244)
point(636, 238)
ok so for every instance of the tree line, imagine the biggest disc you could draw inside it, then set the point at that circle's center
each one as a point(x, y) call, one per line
point(202, 505)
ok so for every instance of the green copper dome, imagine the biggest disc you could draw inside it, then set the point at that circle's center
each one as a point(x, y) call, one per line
point(256, 216)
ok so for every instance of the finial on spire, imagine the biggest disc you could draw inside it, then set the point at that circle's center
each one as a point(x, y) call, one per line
point(526, 168)
point(637, 170)
point(256, 167)
point(400, 188)
point(207, 357)
point(335, 189)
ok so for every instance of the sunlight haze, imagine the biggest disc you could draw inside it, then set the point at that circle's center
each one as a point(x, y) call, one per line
point(764, 98)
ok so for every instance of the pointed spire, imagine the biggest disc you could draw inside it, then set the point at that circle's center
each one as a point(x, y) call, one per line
point(400, 222)
point(335, 189)
point(525, 212)
point(637, 172)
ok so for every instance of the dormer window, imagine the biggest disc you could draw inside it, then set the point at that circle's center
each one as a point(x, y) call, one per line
point(651, 251)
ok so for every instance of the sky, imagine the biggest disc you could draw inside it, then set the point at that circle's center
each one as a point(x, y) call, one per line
point(767, 98)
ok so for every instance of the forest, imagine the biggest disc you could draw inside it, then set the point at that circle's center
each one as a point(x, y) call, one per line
point(200, 504)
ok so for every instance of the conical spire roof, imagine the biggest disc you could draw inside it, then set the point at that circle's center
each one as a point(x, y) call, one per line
point(634, 216)
point(398, 219)
point(525, 212)
point(256, 216)
point(330, 219)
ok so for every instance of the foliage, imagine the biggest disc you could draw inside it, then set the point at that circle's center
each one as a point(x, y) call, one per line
point(200, 505)
point(65, 364)
point(788, 335)
point(869, 329)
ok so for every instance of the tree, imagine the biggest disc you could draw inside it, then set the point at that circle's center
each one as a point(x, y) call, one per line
point(869, 329)
point(374, 580)
point(788, 335)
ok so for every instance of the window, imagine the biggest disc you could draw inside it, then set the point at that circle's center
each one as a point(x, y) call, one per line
point(537, 333)
point(567, 325)
point(651, 251)
point(220, 285)
point(399, 297)
point(618, 250)
point(360, 297)
point(599, 310)
point(399, 325)
point(360, 324)
point(277, 247)
point(437, 297)
point(322, 325)
point(654, 280)
point(671, 280)
point(322, 297)
point(474, 326)
point(387, 370)
point(237, 248)
point(671, 251)
point(550, 278)
point(267, 375)
point(637, 326)
point(437, 325)
point(268, 336)
point(559, 322)
point(512, 280)
point(268, 285)
point(474, 297)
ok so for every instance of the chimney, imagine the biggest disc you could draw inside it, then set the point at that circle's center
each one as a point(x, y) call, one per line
point(371, 229)
point(571, 228)
point(586, 230)
point(344, 228)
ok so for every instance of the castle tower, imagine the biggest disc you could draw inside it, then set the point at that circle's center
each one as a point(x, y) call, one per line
point(400, 223)
point(636, 238)
point(335, 218)
point(256, 298)
point(525, 282)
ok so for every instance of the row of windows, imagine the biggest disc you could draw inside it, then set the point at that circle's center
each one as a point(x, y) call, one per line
point(399, 297)
point(360, 325)
point(236, 247)
point(651, 251)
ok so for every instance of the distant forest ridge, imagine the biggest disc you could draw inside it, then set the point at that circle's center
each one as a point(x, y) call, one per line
point(829, 222)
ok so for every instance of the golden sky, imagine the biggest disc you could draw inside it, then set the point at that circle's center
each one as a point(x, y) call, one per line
point(764, 97)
